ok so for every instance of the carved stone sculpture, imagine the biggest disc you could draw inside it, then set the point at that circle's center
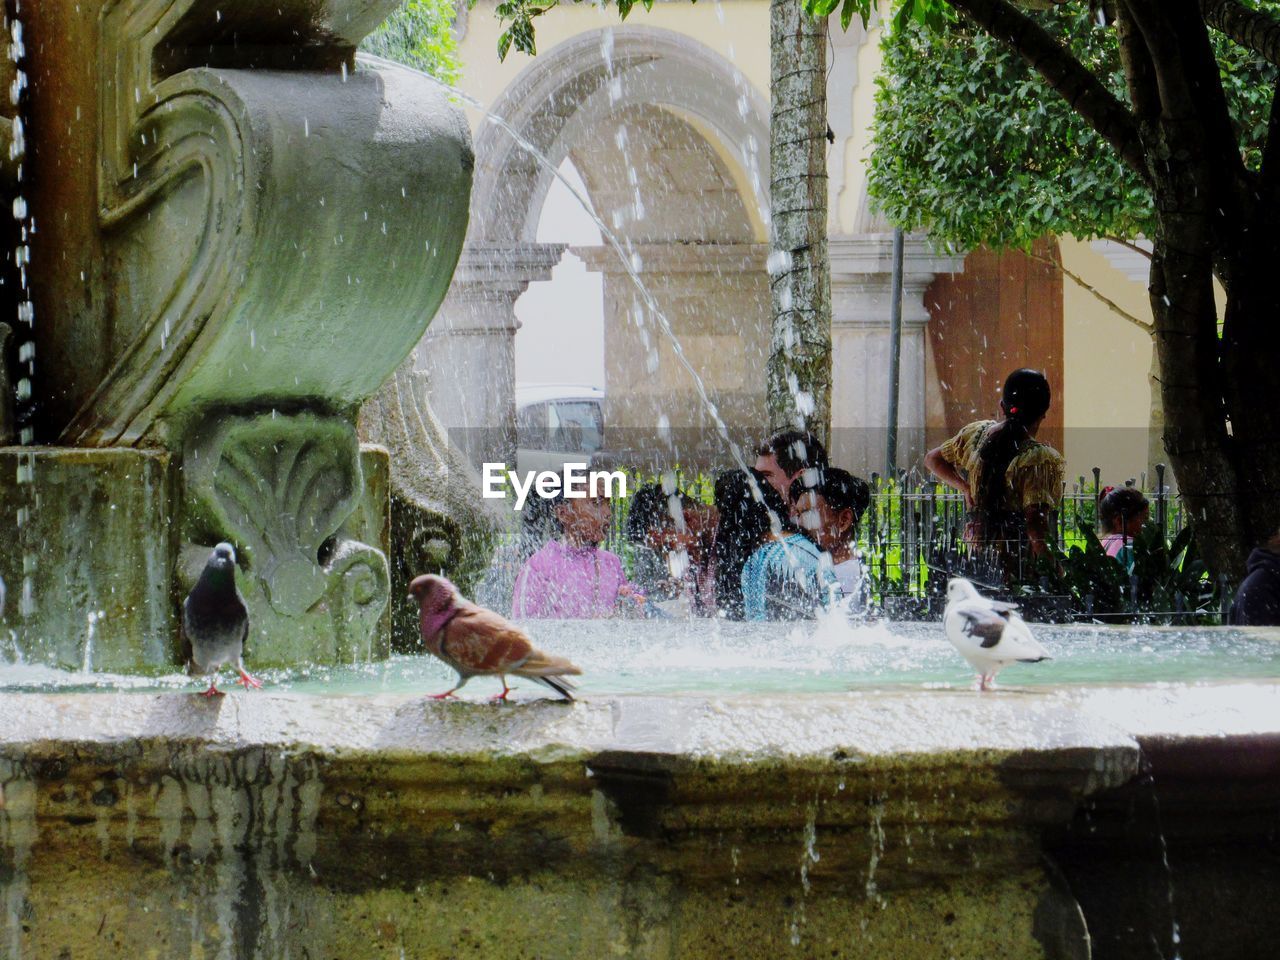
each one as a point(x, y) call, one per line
point(243, 230)
point(283, 487)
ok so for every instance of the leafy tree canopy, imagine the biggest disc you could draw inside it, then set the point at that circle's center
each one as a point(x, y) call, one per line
point(420, 35)
point(972, 145)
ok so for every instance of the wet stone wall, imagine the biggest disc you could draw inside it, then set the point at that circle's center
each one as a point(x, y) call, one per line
point(385, 827)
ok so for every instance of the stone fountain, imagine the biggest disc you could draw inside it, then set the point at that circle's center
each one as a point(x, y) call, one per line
point(228, 234)
point(233, 233)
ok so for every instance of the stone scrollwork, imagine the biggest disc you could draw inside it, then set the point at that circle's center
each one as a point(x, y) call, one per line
point(244, 230)
point(359, 588)
point(259, 219)
point(281, 489)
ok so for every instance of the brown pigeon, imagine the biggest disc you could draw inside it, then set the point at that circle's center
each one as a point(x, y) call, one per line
point(478, 642)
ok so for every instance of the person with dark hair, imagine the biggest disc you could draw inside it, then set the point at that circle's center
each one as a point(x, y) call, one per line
point(672, 538)
point(1011, 481)
point(1121, 513)
point(783, 577)
point(829, 513)
point(1257, 602)
point(572, 576)
point(787, 455)
point(740, 530)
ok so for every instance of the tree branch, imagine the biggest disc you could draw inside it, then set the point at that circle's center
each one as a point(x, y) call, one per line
point(1089, 288)
point(1253, 29)
point(1130, 244)
point(1195, 118)
point(1139, 72)
point(1081, 89)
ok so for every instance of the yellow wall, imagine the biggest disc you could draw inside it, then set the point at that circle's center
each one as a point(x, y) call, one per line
point(864, 103)
point(1107, 363)
point(737, 31)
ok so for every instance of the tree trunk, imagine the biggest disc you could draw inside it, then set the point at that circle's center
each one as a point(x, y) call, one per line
point(1214, 217)
point(1251, 355)
point(799, 371)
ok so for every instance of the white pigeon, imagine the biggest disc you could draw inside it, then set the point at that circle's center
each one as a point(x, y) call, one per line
point(988, 633)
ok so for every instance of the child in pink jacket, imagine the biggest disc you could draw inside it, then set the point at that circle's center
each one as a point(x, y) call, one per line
point(572, 577)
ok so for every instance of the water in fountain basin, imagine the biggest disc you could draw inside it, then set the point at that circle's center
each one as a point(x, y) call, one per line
point(715, 657)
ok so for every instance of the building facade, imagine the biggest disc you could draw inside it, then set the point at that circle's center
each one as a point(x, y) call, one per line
point(665, 120)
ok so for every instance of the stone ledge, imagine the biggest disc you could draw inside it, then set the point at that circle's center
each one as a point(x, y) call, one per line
point(692, 826)
point(733, 727)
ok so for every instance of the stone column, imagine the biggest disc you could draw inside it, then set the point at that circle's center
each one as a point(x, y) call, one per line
point(468, 355)
point(716, 298)
point(861, 270)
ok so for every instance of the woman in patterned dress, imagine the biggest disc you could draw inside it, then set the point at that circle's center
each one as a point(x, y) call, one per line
point(1012, 483)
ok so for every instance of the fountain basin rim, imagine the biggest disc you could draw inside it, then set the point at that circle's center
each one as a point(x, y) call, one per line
point(733, 728)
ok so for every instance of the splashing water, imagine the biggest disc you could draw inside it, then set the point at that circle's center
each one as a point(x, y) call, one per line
point(24, 408)
point(717, 657)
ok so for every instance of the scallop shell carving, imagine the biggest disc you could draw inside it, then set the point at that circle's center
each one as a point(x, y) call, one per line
point(279, 486)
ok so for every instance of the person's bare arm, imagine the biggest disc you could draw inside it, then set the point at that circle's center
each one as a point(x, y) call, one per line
point(942, 468)
point(1038, 529)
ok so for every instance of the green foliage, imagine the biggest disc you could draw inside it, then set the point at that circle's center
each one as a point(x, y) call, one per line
point(973, 146)
point(1169, 579)
point(420, 35)
point(518, 17)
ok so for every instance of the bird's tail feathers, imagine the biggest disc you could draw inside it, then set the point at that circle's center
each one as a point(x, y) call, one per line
point(1034, 659)
point(540, 665)
point(559, 684)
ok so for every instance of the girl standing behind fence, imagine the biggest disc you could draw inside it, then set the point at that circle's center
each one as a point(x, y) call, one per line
point(1011, 481)
point(1121, 513)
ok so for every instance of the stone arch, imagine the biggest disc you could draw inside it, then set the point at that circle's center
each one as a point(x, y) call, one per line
point(699, 134)
point(567, 93)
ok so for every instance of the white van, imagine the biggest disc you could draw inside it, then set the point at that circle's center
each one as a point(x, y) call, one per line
point(558, 423)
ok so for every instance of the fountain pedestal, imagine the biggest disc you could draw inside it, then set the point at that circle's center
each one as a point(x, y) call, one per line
point(243, 232)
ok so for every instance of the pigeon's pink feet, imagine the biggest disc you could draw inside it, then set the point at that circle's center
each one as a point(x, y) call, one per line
point(501, 697)
point(986, 683)
point(213, 690)
point(443, 696)
point(248, 681)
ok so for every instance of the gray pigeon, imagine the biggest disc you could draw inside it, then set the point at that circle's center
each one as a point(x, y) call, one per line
point(215, 621)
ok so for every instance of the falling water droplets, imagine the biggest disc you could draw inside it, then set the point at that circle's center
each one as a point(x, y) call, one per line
point(876, 829)
point(606, 49)
point(778, 262)
point(808, 857)
point(24, 389)
point(630, 260)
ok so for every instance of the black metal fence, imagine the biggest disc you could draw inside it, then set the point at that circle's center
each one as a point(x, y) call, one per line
point(915, 523)
point(912, 539)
